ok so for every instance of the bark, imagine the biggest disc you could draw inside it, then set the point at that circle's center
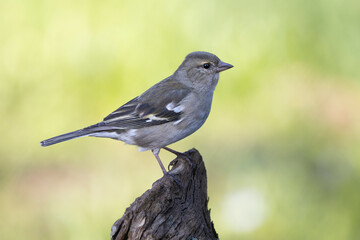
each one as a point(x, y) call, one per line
point(176, 207)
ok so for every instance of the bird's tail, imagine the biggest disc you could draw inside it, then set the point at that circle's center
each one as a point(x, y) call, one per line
point(66, 137)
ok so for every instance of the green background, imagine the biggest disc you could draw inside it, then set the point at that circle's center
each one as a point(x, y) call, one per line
point(281, 145)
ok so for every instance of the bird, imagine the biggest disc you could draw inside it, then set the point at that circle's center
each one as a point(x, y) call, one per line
point(167, 112)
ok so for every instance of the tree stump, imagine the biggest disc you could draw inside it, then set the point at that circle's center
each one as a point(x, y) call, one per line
point(168, 210)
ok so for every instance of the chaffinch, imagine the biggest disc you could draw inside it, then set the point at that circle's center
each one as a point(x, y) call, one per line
point(166, 113)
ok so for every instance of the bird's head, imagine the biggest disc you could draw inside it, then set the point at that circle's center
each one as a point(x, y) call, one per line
point(201, 69)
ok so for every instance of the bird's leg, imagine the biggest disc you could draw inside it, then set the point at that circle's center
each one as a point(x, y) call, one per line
point(156, 154)
point(178, 154)
point(173, 151)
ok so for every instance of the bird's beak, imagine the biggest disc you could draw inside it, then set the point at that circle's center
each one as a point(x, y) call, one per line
point(223, 66)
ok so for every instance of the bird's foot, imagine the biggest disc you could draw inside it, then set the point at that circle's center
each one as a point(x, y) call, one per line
point(178, 183)
point(179, 155)
point(172, 163)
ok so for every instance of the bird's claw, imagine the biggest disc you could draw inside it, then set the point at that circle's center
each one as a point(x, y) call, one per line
point(184, 156)
point(172, 163)
point(178, 183)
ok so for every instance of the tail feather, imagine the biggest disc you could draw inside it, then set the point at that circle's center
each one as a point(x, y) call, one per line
point(65, 137)
point(88, 131)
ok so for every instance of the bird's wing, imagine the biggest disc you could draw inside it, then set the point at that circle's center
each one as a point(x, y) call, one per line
point(156, 106)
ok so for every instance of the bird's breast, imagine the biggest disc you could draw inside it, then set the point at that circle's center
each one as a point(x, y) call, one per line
point(196, 109)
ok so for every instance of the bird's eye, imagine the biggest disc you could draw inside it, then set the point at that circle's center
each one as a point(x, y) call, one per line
point(206, 65)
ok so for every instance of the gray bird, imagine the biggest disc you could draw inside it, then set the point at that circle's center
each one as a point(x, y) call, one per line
point(166, 113)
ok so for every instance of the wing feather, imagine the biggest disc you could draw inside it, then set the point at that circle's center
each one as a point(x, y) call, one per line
point(145, 110)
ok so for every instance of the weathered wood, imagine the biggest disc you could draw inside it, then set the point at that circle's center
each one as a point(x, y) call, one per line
point(168, 211)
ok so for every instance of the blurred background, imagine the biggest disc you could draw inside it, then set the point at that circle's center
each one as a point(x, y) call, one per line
point(281, 145)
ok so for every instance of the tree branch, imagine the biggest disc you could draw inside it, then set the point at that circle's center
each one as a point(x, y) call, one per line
point(170, 211)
